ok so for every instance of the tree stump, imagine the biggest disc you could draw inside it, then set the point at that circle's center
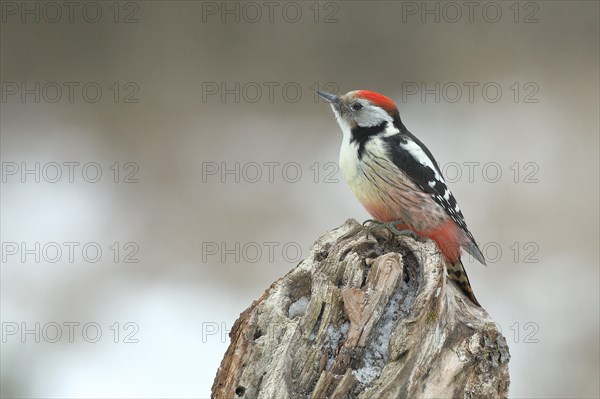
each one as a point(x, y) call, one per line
point(365, 315)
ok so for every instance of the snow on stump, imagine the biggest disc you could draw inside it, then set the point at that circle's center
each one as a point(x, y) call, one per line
point(364, 316)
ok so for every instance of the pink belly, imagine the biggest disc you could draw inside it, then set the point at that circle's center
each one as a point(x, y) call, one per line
point(424, 222)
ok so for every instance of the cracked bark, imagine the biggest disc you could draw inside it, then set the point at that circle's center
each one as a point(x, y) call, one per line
point(364, 317)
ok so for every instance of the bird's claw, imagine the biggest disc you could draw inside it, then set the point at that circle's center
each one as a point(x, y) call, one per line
point(390, 226)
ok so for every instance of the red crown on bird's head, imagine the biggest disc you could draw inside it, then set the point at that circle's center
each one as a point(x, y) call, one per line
point(377, 99)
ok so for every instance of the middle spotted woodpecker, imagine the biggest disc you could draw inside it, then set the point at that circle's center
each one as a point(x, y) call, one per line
point(396, 178)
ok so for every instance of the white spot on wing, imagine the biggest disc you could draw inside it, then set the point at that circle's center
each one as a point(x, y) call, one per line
point(417, 153)
point(447, 195)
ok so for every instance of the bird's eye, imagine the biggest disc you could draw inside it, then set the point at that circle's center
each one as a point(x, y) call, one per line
point(357, 106)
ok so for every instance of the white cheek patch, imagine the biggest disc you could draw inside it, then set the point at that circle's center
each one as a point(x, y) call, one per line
point(373, 116)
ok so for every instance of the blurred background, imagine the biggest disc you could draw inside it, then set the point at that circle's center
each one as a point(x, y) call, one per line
point(163, 162)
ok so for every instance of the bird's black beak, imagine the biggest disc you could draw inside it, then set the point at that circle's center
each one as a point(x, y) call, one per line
point(330, 98)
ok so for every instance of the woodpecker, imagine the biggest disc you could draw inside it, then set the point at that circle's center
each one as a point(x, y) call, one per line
point(397, 179)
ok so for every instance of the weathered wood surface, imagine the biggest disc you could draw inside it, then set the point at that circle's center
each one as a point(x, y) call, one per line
point(364, 317)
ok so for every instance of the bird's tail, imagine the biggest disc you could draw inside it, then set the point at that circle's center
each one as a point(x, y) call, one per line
point(456, 272)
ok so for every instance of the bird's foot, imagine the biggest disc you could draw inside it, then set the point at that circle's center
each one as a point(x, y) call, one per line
point(373, 225)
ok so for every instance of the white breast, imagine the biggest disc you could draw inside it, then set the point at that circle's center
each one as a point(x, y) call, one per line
point(384, 190)
point(349, 163)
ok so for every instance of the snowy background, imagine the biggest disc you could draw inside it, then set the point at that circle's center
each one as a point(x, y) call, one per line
point(164, 162)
